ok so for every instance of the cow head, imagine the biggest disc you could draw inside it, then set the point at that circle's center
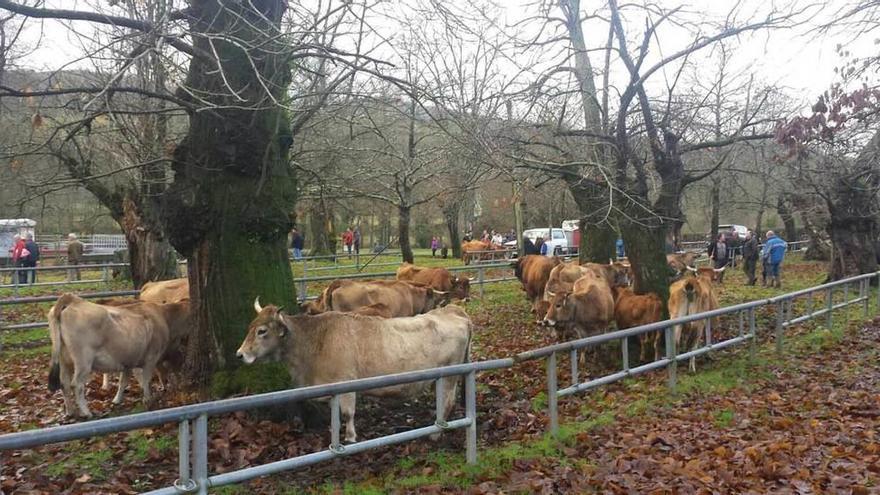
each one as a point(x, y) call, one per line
point(620, 274)
point(560, 308)
point(311, 307)
point(540, 309)
point(266, 335)
point(461, 288)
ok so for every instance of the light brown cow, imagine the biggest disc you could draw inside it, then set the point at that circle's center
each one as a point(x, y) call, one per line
point(438, 278)
point(689, 296)
point(534, 272)
point(563, 276)
point(586, 310)
point(89, 337)
point(333, 347)
point(679, 262)
point(398, 297)
point(165, 291)
point(633, 310)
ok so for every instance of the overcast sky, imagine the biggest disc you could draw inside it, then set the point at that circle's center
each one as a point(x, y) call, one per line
point(792, 58)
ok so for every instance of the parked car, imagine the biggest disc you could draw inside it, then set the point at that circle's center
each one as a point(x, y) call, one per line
point(556, 245)
point(739, 230)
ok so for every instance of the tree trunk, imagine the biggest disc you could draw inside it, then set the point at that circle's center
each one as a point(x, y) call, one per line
point(782, 206)
point(518, 221)
point(715, 201)
point(644, 249)
point(321, 230)
point(403, 221)
point(227, 209)
point(451, 215)
point(597, 243)
point(855, 246)
point(149, 253)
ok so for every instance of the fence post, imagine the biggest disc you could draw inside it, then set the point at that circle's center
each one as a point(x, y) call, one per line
point(780, 316)
point(184, 481)
point(672, 366)
point(470, 398)
point(552, 404)
point(864, 290)
point(335, 425)
point(481, 278)
point(439, 398)
point(574, 367)
point(829, 296)
point(753, 344)
point(200, 454)
point(624, 347)
point(846, 303)
point(15, 282)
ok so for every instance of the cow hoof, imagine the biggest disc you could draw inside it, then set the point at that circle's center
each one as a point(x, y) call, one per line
point(350, 440)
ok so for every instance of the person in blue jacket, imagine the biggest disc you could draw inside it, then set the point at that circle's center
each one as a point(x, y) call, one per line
point(773, 254)
point(621, 252)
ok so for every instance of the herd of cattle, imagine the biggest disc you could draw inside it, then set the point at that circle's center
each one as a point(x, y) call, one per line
point(354, 329)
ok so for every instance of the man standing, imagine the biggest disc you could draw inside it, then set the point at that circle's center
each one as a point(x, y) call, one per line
point(719, 253)
point(750, 257)
point(74, 256)
point(296, 242)
point(357, 240)
point(32, 258)
point(774, 253)
point(348, 239)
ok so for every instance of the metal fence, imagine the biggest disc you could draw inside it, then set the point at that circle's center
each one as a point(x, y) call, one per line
point(15, 285)
point(192, 420)
point(302, 283)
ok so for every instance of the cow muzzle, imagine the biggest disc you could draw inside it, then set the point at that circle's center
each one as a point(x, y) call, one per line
point(245, 357)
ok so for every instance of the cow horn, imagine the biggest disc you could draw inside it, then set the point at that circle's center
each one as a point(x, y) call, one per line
point(691, 268)
point(257, 306)
point(550, 293)
point(471, 279)
point(610, 261)
point(719, 270)
point(441, 292)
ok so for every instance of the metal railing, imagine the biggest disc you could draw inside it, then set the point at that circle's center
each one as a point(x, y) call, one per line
point(16, 285)
point(301, 283)
point(192, 420)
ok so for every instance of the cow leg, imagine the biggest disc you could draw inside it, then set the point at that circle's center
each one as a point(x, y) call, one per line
point(81, 372)
point(67, 390)
point(105, 384)
point(698, 339)
point(346, 408)
point(144, 378)
point(657, 336)
point(123, 384)
point(449, 385)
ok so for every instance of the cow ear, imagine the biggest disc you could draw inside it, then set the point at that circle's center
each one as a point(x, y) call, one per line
point(283, 324)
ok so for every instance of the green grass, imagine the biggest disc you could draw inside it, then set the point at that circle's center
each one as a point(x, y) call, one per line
point(19, 337)
point(140, 445)
point(92, 462)
point(724, 418)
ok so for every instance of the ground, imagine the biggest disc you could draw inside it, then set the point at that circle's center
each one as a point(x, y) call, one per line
point(800, 424)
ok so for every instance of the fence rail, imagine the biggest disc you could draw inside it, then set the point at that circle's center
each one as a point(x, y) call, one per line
point(192, 419)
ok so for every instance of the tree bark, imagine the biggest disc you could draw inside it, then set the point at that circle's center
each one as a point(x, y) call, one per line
point(451, 215)
point(782, 207)
point(149, 253)
point(227, 209)
point(321, 230)
point(403, 221)
point(715, 201)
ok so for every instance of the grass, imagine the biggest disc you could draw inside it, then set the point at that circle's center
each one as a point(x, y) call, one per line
point(140, 445)
point(25, 336)
point(91, 462)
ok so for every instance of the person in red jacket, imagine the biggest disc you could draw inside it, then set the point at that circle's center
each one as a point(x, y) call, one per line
point(19, 256)
point(348, 239)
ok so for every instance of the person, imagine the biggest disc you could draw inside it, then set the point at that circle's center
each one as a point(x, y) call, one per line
point(348, 239)
point(444, 250)
point(31, 259)
point(435, 245)
point(719, 253)
point(545, 246)
point(74, 256)
point(19, 253)
point(529, 246)
point(511, 236)
point(750, 257)
point(357, 240)
point(497, 239)
point(619, 245)
point(774, 253)
point(297, 242)
point(486, 237)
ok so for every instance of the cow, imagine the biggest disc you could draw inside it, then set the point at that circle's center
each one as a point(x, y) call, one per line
point(679, 262)
point(633, 310)
point(689, 296)
point(708, 273)
point(563, 276)
point(473, 250)
point(89, 337)
point(534, 272)
point(165, 291)
point(333, 347)
point(399, 298)
point(440, 279)
point(586, 309)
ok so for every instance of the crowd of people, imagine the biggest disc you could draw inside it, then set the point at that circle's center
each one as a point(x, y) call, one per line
point(771, 254)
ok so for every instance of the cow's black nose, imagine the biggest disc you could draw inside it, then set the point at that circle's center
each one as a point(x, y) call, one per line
point(239, 355)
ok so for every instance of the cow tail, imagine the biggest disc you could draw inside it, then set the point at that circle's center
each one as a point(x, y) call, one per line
point(57, 343)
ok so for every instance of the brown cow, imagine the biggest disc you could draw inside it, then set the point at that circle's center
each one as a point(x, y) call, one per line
point(708, 273)
point(632, 310)
point(534, 272)
point(439, 279)
point(679, 262)
point(165, 291)
point(474, 250)
point(563, 276)
point(689, 296)
point(90, 337)
point(398, 297)
point(333, 347)
point(587, 309)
